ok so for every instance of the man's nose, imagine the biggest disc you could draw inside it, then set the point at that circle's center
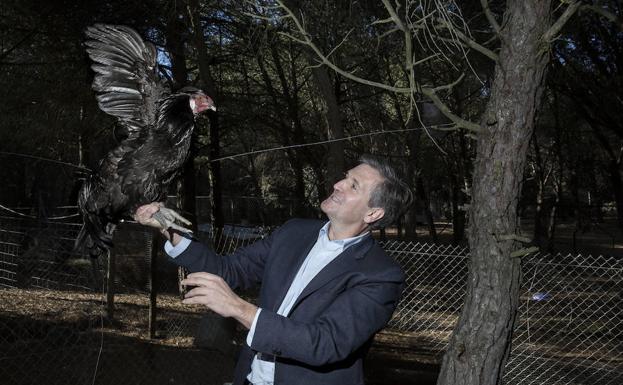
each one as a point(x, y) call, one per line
point(338, 185)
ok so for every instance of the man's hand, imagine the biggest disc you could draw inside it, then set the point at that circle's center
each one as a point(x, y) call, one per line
point(145, 214)
point(214, 293)
point(158, 216)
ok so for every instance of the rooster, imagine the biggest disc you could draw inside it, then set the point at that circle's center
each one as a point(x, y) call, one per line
point(155, 135)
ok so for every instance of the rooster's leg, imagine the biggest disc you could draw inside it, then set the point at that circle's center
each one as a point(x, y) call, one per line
point(167, 217)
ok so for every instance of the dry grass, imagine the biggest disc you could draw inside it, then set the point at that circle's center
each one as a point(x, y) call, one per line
point(130, 317)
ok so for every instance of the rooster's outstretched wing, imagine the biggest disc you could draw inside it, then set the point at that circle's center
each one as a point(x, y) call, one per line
point(126, 80)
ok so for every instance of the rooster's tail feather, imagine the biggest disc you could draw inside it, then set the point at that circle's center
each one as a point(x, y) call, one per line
point(96, 233)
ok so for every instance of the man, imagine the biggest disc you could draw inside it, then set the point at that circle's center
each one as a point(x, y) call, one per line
point(326, 287)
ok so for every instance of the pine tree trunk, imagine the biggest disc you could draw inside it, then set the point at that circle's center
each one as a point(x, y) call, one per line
point(209, 86)
point(480, 343)
point(458, 212)
point(430, 221)
point(614, 169)
point(335, 129)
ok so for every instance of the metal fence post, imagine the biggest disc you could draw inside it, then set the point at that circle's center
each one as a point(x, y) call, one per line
point(151, 251)
point(110, 286)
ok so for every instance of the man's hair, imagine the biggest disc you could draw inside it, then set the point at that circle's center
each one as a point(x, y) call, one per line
point(392, 194)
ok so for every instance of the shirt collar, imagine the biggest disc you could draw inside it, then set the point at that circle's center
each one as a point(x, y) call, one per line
point(323, 234)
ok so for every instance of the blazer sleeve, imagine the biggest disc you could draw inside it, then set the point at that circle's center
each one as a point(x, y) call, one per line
point(352, 318)
point(241, 269)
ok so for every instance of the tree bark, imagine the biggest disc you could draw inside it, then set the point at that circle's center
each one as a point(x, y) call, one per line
point(291, 96)
point(335, 129)
point(209, 86)
point(458, 212)
point(480, 344)
point(540, 185)
point(175, 43)
point(614, 170)
point(425, 199)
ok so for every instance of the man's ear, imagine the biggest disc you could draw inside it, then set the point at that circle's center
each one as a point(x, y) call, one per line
point(374, 214)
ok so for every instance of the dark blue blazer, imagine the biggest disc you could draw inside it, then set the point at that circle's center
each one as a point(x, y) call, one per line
point(330, 327)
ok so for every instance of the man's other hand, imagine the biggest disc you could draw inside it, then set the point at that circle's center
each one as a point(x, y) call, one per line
point(214, 293)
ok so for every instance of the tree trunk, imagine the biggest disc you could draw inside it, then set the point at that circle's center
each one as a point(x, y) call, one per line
point(291, 96)
point(413, 175)
point(209, 86)
point(430, 221)
point(175, 45)
point(458, 212)
point(614, 170)
point(551, 226)
point(558, 175)
point(335, 130)
point(540, 181)
point(480, 344)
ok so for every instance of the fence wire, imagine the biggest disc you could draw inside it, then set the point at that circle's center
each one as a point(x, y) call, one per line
point(569, 327)
point(56, 327)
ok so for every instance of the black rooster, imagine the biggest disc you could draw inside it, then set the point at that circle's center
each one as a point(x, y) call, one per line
point(155, 133)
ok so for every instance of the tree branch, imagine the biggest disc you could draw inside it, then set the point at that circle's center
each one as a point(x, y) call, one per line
point(394, 16)
point(449, 86)
point(489, 15)
point(470, 43)
point(413, 88)
point(460, 122)
point(549, 36)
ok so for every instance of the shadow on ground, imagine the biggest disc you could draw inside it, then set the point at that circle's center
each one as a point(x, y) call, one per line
point(47, 352)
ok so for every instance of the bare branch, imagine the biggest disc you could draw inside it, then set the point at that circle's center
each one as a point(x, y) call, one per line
point(523, 252)
point(421, 61)
point(449, 86)
point(388, 20)
point(460, 122)
point(514, 237)
point(489, 15)
point(255, 16)
point(411, 90)
point(340, 44)
point(549, 36)
point(469, 42)
point(387, 33)
point(393, 15)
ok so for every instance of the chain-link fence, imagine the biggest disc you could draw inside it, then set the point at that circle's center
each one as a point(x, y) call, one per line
point(56, 326)
point(69, 319)
point(570, 323)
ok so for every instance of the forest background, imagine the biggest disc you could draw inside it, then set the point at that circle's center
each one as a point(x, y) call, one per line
point(272, 94)
point(504, 118)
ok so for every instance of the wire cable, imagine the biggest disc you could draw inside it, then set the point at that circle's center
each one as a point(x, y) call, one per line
point(440, 126)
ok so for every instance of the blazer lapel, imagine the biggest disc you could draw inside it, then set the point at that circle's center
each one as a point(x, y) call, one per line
point(341, 264)
point(292, 265)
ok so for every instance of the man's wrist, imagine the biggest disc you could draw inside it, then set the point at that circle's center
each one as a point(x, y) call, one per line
point(246, 313)
point(165, 233)
point(171, 236)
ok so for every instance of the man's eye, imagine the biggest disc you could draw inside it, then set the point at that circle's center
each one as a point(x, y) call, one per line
point(353, 186)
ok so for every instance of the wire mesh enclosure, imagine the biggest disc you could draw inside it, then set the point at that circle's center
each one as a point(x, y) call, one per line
point(569, 326)
point(66, 319)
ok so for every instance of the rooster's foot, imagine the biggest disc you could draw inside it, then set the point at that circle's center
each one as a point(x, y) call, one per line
point(167, 218)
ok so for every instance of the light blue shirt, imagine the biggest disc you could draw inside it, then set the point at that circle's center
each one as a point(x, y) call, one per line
point(322, 253)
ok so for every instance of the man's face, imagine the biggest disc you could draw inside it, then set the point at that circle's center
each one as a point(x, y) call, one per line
point(348, 204)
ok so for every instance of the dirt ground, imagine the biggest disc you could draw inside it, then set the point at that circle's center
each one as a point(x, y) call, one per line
point(67, 338)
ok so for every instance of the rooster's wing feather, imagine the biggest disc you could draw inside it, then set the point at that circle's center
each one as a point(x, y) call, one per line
point(126, 79)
